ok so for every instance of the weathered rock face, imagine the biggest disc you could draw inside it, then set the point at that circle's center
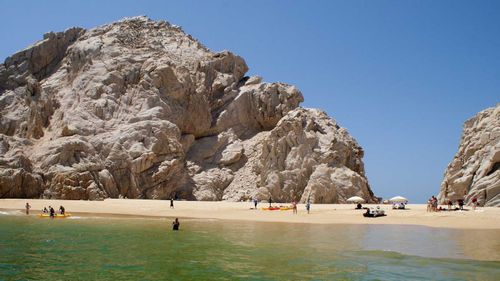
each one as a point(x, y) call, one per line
point(307, 155)
point(139, 109)
point(475, 170)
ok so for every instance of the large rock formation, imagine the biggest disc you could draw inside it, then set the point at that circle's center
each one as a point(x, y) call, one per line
point(139, 109)
point(475, 170)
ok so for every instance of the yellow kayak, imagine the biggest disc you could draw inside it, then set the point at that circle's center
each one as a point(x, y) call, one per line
point(270, 208)
point(57, 216)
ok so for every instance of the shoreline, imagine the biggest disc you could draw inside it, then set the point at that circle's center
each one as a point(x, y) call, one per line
point(416, 214)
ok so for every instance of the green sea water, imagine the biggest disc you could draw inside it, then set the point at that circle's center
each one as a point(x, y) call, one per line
point(92, 248)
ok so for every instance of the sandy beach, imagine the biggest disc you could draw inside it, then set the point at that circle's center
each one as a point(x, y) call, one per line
point(416, 214)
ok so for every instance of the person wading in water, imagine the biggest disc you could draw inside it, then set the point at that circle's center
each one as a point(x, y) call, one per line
point(176, 224)
point(28, 207)
point(52, 212)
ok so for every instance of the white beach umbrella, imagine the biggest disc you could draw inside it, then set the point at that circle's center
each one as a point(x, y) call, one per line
point(356, 199)
point(398, 199)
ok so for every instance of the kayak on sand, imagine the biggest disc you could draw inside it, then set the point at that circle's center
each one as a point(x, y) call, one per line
point(57, 216)
point(282, 208)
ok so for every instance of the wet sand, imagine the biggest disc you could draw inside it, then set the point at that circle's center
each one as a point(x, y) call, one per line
point(416, 214)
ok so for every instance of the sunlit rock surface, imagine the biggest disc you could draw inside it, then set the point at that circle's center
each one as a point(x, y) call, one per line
point(475, 170)
point(139, 109)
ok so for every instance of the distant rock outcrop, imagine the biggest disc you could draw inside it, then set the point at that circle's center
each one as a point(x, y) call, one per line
point(475, 170)
point(139, 109)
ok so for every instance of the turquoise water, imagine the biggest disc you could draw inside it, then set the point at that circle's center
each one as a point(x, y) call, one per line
point(146, 249)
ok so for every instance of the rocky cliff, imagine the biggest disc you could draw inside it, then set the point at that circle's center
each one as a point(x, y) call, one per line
point(475, 170)
point(140, 109)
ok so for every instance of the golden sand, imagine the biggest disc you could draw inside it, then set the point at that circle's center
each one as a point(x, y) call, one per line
point(416, 214)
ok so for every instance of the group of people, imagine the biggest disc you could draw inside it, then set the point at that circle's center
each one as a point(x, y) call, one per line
point(46, 210)
point(52, 212)
point(433, 205)
point(460, 203)
point(294, 207)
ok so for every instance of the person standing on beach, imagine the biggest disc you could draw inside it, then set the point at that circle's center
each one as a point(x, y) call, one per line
point(171, 202)
point(308, 206)
point(176, 224)
point(270, 201)
point(294, 207)
point(474, 203)
point(28, 207)
point(255, 203)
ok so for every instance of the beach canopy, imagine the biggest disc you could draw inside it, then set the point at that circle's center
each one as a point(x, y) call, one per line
point(398, 199)
point(356, 199)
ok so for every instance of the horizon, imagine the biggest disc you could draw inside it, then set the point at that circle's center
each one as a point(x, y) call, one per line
point(401, 77)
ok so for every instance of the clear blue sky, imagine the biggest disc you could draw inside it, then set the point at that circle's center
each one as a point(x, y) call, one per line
point(401, 76)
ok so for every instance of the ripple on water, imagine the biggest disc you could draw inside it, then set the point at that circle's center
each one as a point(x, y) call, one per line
point(131, 249)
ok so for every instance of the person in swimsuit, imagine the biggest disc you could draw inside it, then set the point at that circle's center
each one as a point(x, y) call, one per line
point(52, 212)
point(171, 203)
point(28, 207)
point(474, 203)
point(461, 204)
point(294, 207)
point(176, 224)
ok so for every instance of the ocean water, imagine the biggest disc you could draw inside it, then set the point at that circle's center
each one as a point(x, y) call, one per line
point(92, 248)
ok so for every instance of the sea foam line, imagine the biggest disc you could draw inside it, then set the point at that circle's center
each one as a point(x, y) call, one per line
point(10, 213)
